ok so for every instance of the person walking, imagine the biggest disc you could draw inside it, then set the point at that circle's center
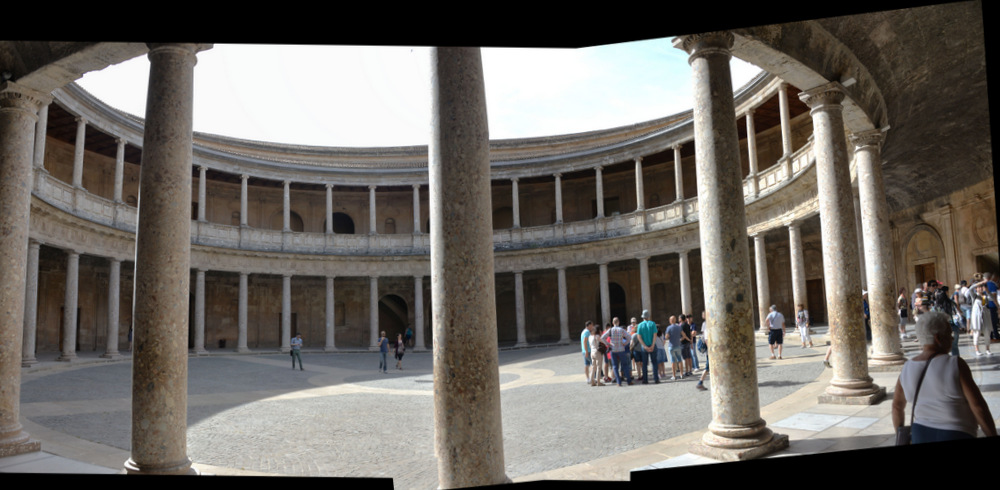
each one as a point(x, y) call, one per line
point(383, 348)
point(802, 323)
point(297, 351)
point(400, 350)
point(979, 320)
point(776, 325)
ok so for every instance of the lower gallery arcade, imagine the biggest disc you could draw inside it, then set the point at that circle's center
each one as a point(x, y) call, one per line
point(667, 215)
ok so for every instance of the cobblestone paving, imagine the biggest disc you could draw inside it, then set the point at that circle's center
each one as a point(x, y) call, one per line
point(341, 417)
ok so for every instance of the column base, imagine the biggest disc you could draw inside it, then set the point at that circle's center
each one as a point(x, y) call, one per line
point(886, 363)
point(520, 345)
point(329, 348)
point(199, 352)
point(243, 350)
point(20, 443)
point(840, 396)
point(66, 358)
point(185, 468)
point(111, 355)
point(775, 443)
point(29, 362)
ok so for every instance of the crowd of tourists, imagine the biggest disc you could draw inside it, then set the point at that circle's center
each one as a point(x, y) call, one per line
point(971, 308)
point(641, 351)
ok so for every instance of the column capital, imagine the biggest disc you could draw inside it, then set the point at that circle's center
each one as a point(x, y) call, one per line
point(244, 177)
point(121, 141)
point(642, 258)
point(515, 179)
point(13, 95)
point(80, 120)
point(825, 96)
point(518, 273)
point(416, 187)
point(638, 159)
point(557, 175)
point(372, 187)
point(704, 44)
point(677, 146)
point(329, 186)
point(750, 111)
point(599, 168)
point(872, 137)
point(286, 183)
point(202, 168)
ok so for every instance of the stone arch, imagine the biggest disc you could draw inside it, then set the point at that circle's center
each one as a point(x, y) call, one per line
point(295, 222)
point(923, 255)
point(617, 302)
point(342, 224)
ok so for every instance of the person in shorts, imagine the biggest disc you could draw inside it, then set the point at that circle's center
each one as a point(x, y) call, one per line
point(776, 334)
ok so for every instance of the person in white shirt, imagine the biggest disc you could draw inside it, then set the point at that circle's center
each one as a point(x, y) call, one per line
point(776, 323)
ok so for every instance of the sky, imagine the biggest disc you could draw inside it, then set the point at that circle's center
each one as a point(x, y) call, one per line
point(364, 96)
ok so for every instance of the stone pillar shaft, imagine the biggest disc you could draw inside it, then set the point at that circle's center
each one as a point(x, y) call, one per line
point(286, 207)
point(418, 313)
point(752, 152)
point(841, 273)
point(41, 129)
point(18, 117)
point(516, 203)
point(373, 311)
point(640, 199)
point(879, 259)
point(243, 199)
point(78, 149)
point(416, 209)
point(467, 421)
point(563, 305)
point(119, 169)
point(861, 241)
point(737, 430)
point(685, 276)
point(605, 294)
point(678, 174)
point(114, 297)
point(786, 125)
point(372, 223)
point(329, 208)
point(644, 290)
point(600, 193)
point(286, 313)
point(162, 267)
point(331, 315)
point(199, 312)
point(798, 266)
point(763, 286)
point(559, 207)
point(30, 306)
point(241, 321)
point(519, 307)
point(70, 300)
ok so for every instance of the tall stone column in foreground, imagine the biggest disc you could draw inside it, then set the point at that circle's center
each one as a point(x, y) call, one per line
point(18, 114)
point(841, 275)
point(879, 260)
point(737, 431)
point(468, 435)
point(162, 267)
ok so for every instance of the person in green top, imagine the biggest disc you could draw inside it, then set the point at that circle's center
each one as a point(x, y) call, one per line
point(646, 331)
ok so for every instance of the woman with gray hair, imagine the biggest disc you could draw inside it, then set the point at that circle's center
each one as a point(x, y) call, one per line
point(951, 405)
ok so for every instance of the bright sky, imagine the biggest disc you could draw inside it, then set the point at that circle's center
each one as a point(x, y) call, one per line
point(380, 96)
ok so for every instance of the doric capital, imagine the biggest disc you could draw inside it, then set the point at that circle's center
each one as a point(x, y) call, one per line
point(824, 97)
point(557, 175)
point(416, 187)
point(638, 159)
point(677, 147)
point(514, 179)
point(15, 96)
point(372, 188)
point(244, 177)
point(708, 43)
point(872, 137)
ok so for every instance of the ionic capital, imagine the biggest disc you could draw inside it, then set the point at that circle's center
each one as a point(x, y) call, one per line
point(824, 97)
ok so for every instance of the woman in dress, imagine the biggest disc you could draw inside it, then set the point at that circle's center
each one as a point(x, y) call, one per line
point(949, 404)
point(802, 322)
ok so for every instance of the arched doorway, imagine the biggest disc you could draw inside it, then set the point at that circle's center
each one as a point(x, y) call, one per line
point(393, 315)
point(616, 297)
point(342, 223)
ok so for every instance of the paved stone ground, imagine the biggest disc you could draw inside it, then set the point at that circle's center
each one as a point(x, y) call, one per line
point(341, 417)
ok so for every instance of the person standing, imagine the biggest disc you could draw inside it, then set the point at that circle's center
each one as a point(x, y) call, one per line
point(979, 320)
point(383, 348)
point(596, 355)
point(901, 305)
point(802, 323)
point(408, 340)
point(695, 333)
point(776, 329)
point(588, 330)
point(675, 334)
point(646, 333)
point(400, 350)
point(297, 351)
point(618, 339)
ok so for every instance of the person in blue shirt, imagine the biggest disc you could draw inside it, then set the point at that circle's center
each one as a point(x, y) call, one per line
point(383, 347)
point(646, 331)
point(588, 330)
point(297, 351)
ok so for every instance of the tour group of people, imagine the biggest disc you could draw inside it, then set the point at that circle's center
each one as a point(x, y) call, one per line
point(642, 350)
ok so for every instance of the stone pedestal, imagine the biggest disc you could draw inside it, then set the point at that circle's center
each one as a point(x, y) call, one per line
point(468, 433)
point(841, 273)
point(162, 268)
point(737, 430)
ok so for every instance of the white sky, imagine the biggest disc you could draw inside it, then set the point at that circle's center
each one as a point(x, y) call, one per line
point(380, 96)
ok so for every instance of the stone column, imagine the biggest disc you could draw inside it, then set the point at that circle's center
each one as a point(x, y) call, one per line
point(162, 267)
point(18, 116)
point(737, 431)
point(640, 199)
point(286, 207)
point(516, 203)
point(373, 312)
point(851, 383)
point(600, 193)
point(678, 174)
point(41, 129)
point(30, 307)
point(798, 265)
point(644, 290)
point(70, 300)
point(331, 316)
point(114, 296)
point(563, 306)
point(685, 275)
point(605, 295)
point(519, 308)
point(241, 335)
point(468, 431)
point(243, 199)
point(418, 313)
point(119, 169)
point(861, 241)
point(78, 148)
point(199, 312)
point(786, 130)
point(763, 287)
point(879, 258)
point(329, 209)
point(372, 229)
point(416, 209)
point(201, 192)
point(752, 153)
point(559, 210)
point(286, 312)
